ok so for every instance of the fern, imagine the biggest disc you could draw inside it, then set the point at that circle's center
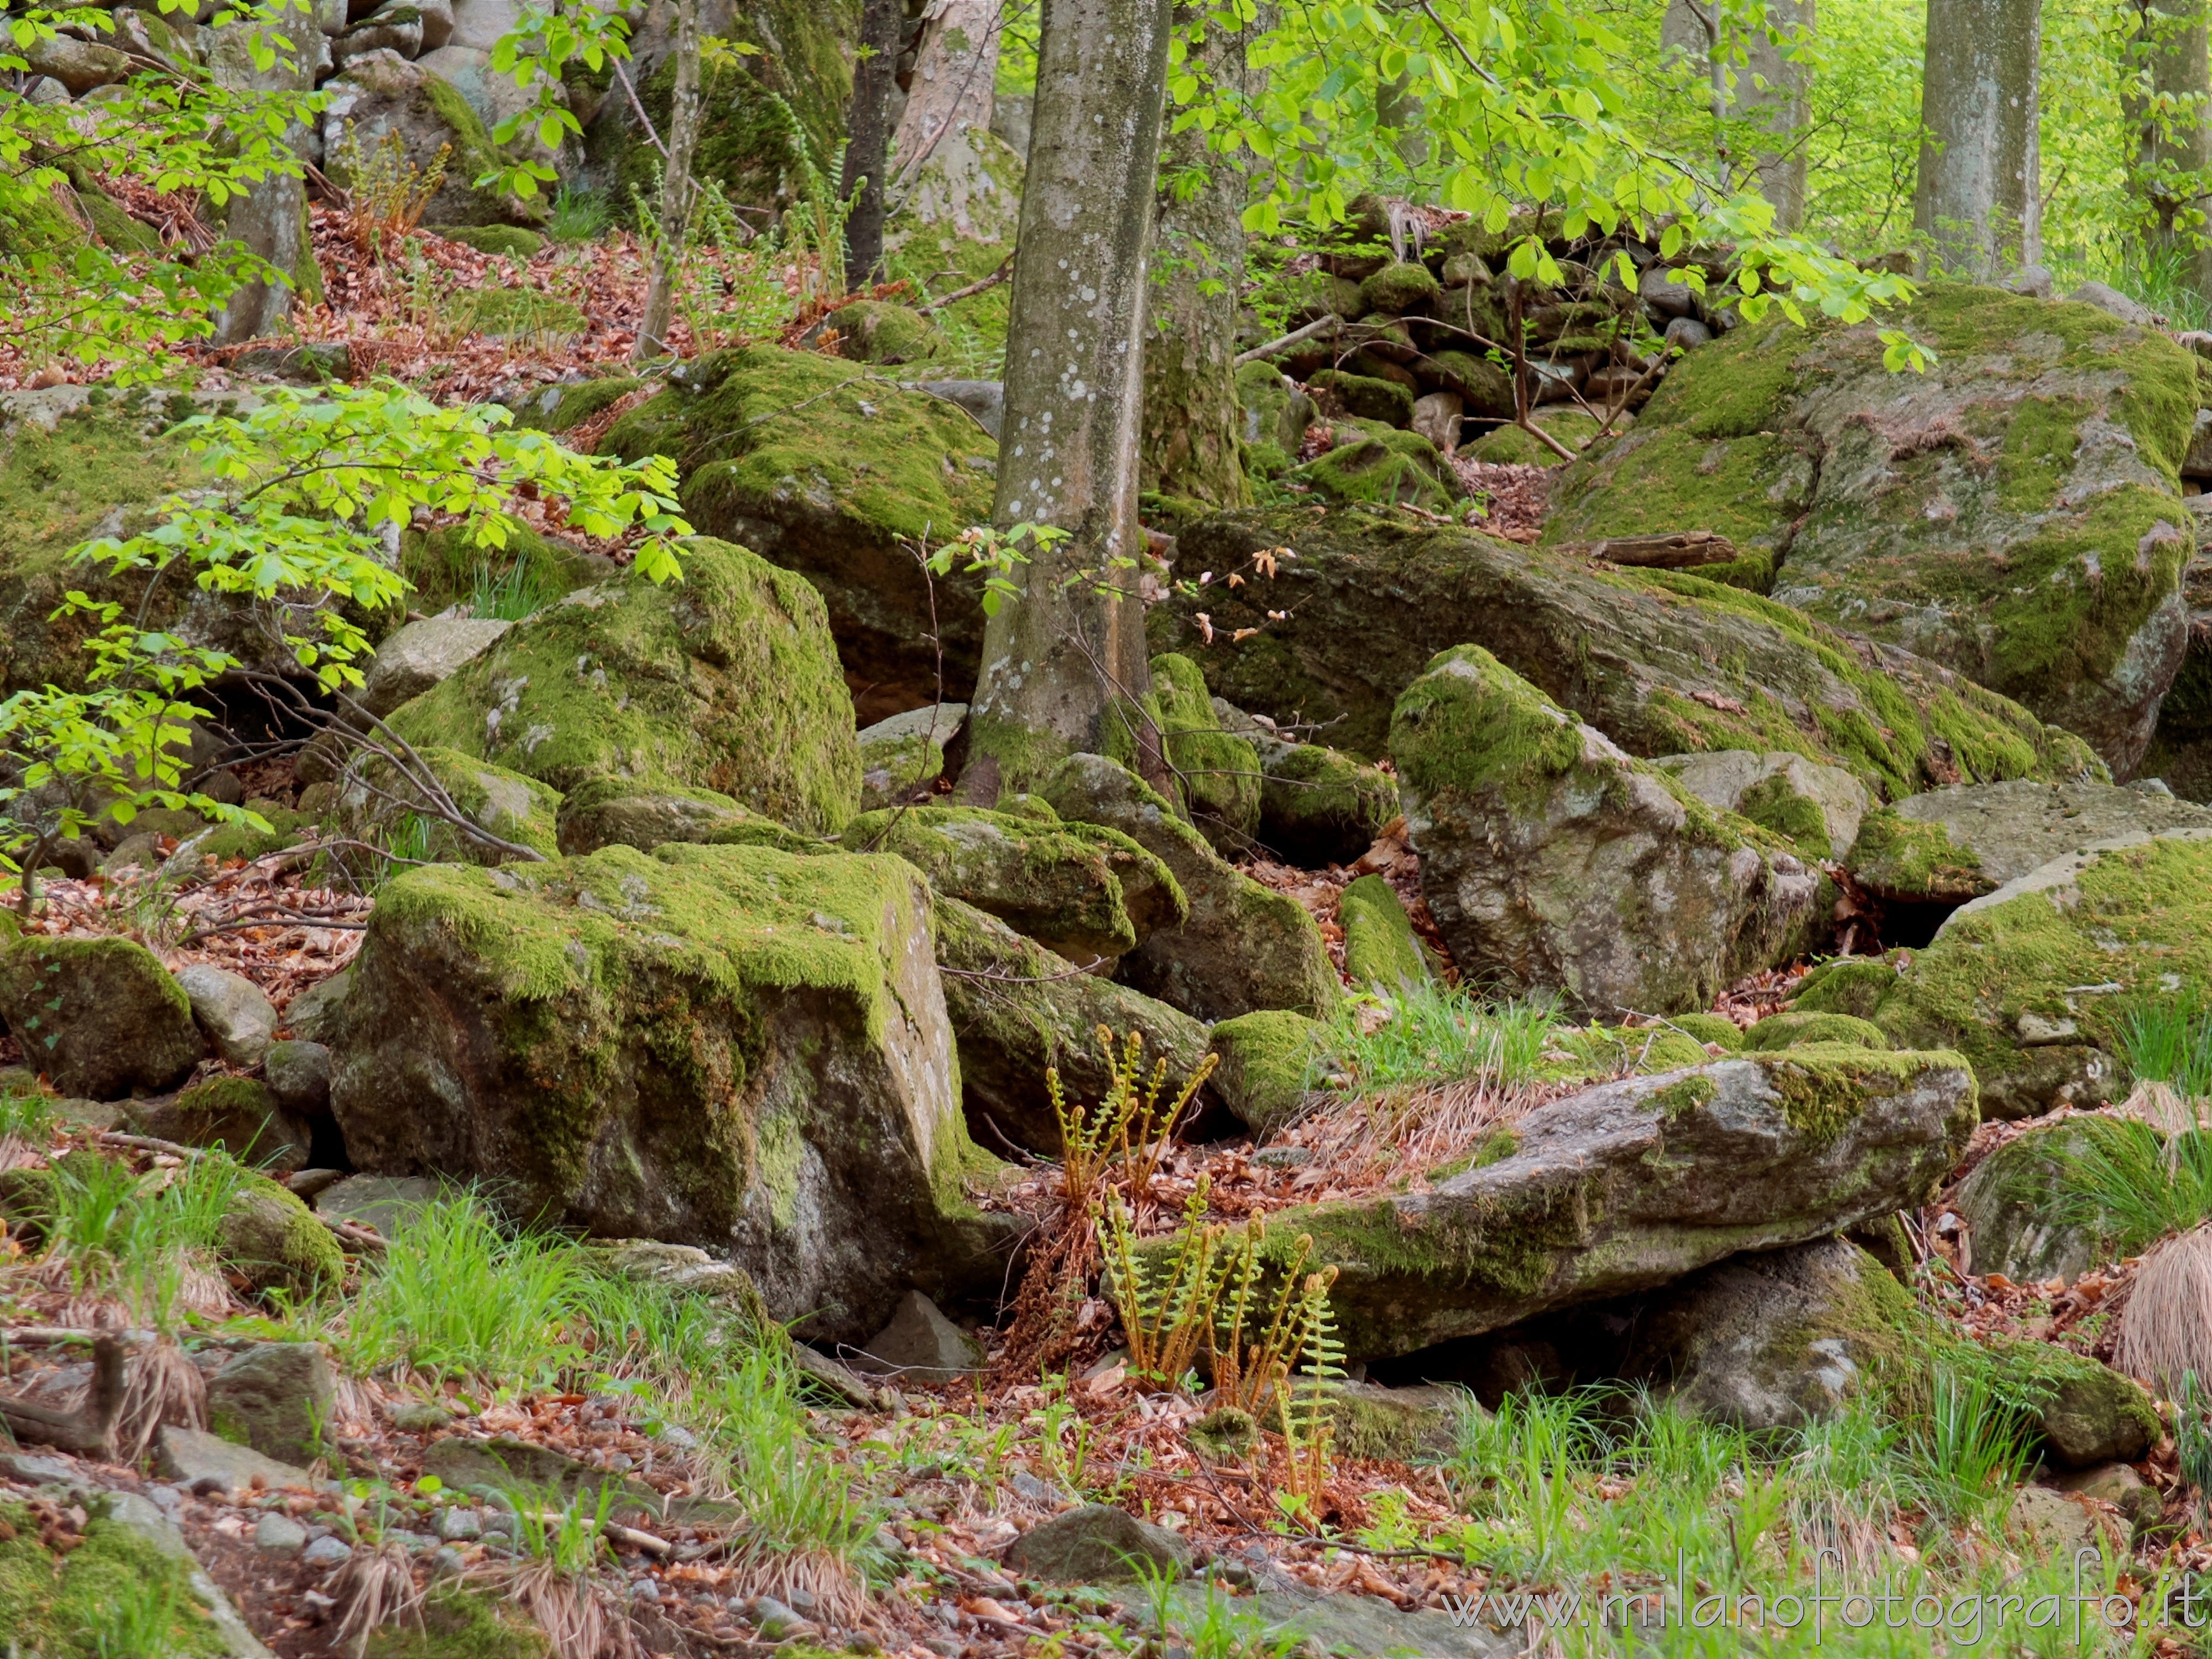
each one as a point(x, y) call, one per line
point(1166, 1305)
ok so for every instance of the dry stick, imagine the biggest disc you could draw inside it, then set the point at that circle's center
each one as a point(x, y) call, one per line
point(89, 1433)
point(1314, 329)
point(361, 1238)
point(1005, 269)
point(622, 75)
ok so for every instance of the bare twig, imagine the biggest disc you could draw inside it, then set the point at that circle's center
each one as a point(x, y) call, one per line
point(1319, 328)
point(1005, 269)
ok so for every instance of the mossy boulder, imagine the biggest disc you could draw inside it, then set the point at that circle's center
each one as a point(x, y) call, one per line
point(99, 1017)
point(1899, 858)
point(2011, 1207)
point(2013, 512)
point(731, 1047)
point(564, 407)
point(1217, 772)
point(1266, 1059)
point(1510, 445)
point(1242, 947)
point(1553, 862)
point(1662, 664)
point(1017, 1008)
point(726, 680)
point(70, 1602)
point(1795, 1029)
point(1057, 888)
point(1399, 287)
point(2031, 983)
point(1848, 985)
point(1816, 809)
point(380, 94)
point(2085, 1414)
point(1277, 413)
point(877, 331)
point(904, 754)
point(378, 803)
point(1317, 806)
point(1961, 842)
point(1366, 397)
point(274, 1239)
point(239, 1114)
point(617, 812)
point(1710, 1028)
point(1774, 1339)
point(1380, 947)
point(511, 242)
point(1638, 1183)
point(1381, 466)
point(836, 475)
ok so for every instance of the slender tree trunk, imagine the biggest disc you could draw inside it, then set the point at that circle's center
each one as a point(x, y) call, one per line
point(956, 73)
point(2166, 98)
point(1770, 86)
point(1057, 659)
point(1192, 416)
point(1978, 200)
point(677, 193)
point(867, 137)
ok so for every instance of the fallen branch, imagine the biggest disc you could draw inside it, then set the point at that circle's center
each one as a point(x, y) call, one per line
point(89, 1433)
point(1684, 550)
point(1006, 269)
point(1313, 330)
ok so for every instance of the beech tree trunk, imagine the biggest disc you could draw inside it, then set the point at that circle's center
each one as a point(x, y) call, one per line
point(677, 193)
point(1978, 198)
point(2167, 106)
point(1769, 86)
point(955, 72)
point(1191, 417)
point(1068, 654)
point(867, 138)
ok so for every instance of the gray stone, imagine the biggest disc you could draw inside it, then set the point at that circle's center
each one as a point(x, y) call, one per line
point(2034, 280)
point(278, 1397)
point(311, 1015)
point(1772, 1341)
point(390, 1204)
point(1294, 1617)
point(236, 1013)
point(122, 1023)
point(2008, 1204)
point(2197, 462)
point(614, 813)
point(325, 1553)
point(1665, 297)
point(2118, 1485)
point(2007, 830)
point(906, 752)
point(204, 1462)
point(1552, 862)
point(423, 654)
point(279, 1534)
point(986, 400)
point(39, 1471)
point(420, 1417)
point(1817, 807)
point(920, 1343)
point(1634, 1184)
point(79, 66)
point(129, 1510)
point(1419, 1424)
point(299, 1075)
point(379, 93)
point(1688, 333)
point(2111, 300)
point(1097, 1544)
point(458, 1526)
point(2086, 1413)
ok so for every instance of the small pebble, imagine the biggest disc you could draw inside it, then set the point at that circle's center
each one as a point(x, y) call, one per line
point(279, 1534)
point(327, 1552)
point(447, 1562)
point(644, 1590)
point(168, 1499)
point(460, 1526)
point(420, 1417)
point(673, 1434)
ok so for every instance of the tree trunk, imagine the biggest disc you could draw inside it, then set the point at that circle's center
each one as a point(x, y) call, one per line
point(1770, 86)
point(271, 219)
point(1059, 658)
point(867, 138)
point(2167, 107)
point(956, 75)
point(677, 190)
point(1979, 197)
point(1192, 416)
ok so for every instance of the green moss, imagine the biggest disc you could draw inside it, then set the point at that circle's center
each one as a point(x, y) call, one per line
point(1380, 948)
point(1367, 396)
point(458, 1621)
point(1824, 1086)
point(1799, 1027)
point(1401, 287)
point(725, 681)
point(87, 1603)
point(1710, 1028)
point(510, 240)
point(1509, 1251)
point(442, 566)
point(1266, 1061)
point(1852, 985)
point(1470, 723)
point(1683, 1096)
point(273, 1238)
point(1774, 804)
point(226, 841)
point(1219, 775)
point(1318, 806)
point(878, 332)
point(1384, 467)
point(239, 1114)
point(1903, 857)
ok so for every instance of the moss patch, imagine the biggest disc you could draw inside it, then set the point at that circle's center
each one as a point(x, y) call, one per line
point(274, 1239)
point(462, 1622)
point(1380, 947)
point(1797, 1029)
point(1266, 1060)
point(1219, 775)
point(87, 1603)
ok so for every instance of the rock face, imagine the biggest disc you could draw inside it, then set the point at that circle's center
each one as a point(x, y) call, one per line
point(376, 803)
point(99, 1017)
point(2013, 513)
point(1036, 1010)
point(1994, 833)
point(617, 812)
point(2006, 1205)
point(1243, 946)
point(724, 1045)
point(2028, 982)
point(1773, 1340)
point(1636, 1184)
point(423, 654)
point(906, 752)
point(1316, 806)
point(1098, 1543)
point(1553, 862)
point(1265, 1058)
point(726, 681)
point(380, 93)
point(1662, 663)
point(836, 491)
point(1816, 808)
point(233, 1011)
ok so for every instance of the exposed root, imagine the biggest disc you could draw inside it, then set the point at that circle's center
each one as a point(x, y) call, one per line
point(161, 1385)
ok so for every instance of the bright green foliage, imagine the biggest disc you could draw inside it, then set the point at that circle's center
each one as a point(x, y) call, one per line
point(1711, 1028)
point(1436, 1034)
point(2131, 1185)
point(2166, 1037)
point(1266, 1064)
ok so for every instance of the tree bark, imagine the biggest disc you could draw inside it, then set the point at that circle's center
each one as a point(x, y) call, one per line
point(2167, 107)
point(867, 138)
point(1068, 654)
point(1770, 86)
point(956, 75)
point(1978, 200)
point(1191, 418)
point(677, 193)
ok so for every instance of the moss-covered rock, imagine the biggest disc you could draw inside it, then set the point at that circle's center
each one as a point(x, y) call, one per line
point(562, 408)
point(1317, 806)
point(2011, 1207)
point(511, 242)
point(85, 1600)
point(1243, 946)
point(2031, 981)
point(1380, 948)
point(1376, 464)
point(726, 681)
point(1637, 1182)
point(904, 754)
point(1277, 413)
point(2085, 1414)
point(377, 804)
point(463, 1622)
point(98, 1017)
point(1399, 288)
point(878, 332)
point(1510, 445)
point(1850, 985)
point(1366, 397)
point(2013, 513)
point(726, 1046)
point(1797, 1028)
point(1017, 1008)
point(1711, 1028)
point(274, 1239)
point(1662, 663)
point(822, 471)
point(1774, 1339)
point(617, 812)
point(1902, 858)
point(1266, 1059)
point(1553, 862)
point(1816, 809)
point(1961, 842)
point(1056, 888)
point(381, 94)
point(1217, 772)
point(240, 1115)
